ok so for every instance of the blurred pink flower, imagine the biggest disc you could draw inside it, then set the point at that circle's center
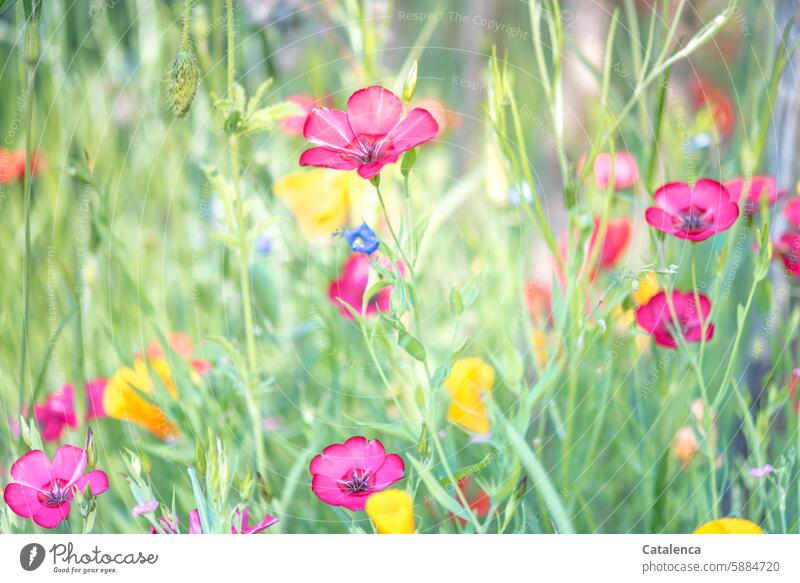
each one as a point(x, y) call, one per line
point(293, 125)
point(615, 242)
point(346, 474)
point(144, 507)
point(57, 412)
point(94, 398)
point(792, 212)
point(692, 213)
point(761, 472)
point(788, 249)
point(352, 284)
point(43, 490)
point(625, 169)
point(760, 186)
point(656, 318)
point(370, 135)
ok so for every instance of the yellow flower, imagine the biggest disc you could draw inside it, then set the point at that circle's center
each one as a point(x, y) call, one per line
point(468, 380)
point(391, 511)
point(318, 198)
point(539, 346)
point(648, 287)
point(122, 401)
point(729, 526)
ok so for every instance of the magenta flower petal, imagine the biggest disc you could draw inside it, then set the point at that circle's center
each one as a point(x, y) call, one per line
point(330, 128)
point(673, 196)
point(390, 472)
point(418, 127)
point(327, 489)
point(95, 389)
point(32, 469)
point(792, 212)
point(325, 157)
point(659, 219)
point(655, 317)
point(625, 170)
point(195, 526)
point(51, 516)
point(69, 463)
point(97, 481)
point(367, 171)
point(373, 112)
point(23, 500)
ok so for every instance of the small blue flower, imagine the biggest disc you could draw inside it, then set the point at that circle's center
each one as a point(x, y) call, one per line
point(264, 242)
point(362, 239)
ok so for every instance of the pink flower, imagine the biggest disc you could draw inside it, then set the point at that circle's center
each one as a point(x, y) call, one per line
point(57, 412)
point(626, 171)
point(293, 125)
point(761, 472)
point(692, 213)
point(793, 382)
point(656, 318)
point(616, 239)
point(95, 389)
point(792, 212)
point(42, 491)
point(760, 186)
point(352, 284)
point(144, 507)
point(368, 136)
point(171, 525)
point(788, 248)
point(346, 474)
point(241, 523)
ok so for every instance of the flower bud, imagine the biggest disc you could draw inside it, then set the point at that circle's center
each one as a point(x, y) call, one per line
point(91, 451)
point(182, 81)
point(422, 443)
point(410, 84)
point(264, 489)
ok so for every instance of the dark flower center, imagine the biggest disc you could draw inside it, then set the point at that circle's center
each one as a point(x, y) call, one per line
point(357, 482)
point(694, 220)
point(368, 148)
point(55, 494)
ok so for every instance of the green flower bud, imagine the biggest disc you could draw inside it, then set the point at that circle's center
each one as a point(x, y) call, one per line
point(422, 443)
point(182, 81)
point(410, 84)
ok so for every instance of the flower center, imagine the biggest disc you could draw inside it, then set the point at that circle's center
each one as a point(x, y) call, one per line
point(369, 147)
point(357, 483)
point(55, 495)
point(694, 220)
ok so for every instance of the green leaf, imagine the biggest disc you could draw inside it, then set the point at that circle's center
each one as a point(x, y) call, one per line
point(407, 163)
point(411, 345)
point(456, 302)
point(436, 490)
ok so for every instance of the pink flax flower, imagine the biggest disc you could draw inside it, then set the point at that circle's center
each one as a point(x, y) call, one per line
point(656, 318)
point(42, 490)
point(792, 212)
point(793, 394)
point(241, 523)
point(369, 135)
point(345, 474)
point(352, 285)
point(788, 249)
point(56, 413)
point(625, 170)
point(760, 187)
point(171, 524)
point(692, 213)
point(95, 389)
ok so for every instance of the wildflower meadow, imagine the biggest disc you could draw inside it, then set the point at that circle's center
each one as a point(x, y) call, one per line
point(398, 266)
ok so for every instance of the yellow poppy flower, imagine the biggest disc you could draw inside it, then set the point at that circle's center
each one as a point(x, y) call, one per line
point(648, 287)
point(122, 401)
point(468, 380)
point(729, 526)
point(391, 511)
point(318, 198)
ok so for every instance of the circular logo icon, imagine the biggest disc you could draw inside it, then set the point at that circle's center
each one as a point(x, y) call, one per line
point(31, 556)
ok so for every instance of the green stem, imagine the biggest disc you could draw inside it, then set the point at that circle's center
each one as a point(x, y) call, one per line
point(244, 261)
point(187, 19)
point(24, 371)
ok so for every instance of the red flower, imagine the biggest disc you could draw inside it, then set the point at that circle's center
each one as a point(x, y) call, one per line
point(370, 135)
point(12, 165)
point(539, 302)
point(788, 247)
point(692, 213)
point(706, 94)
point(656, 318)
point(792, 212)
point(56, 413)
point(476, 497)
point(760, 186)
point(793, 390)
point(617, 236)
